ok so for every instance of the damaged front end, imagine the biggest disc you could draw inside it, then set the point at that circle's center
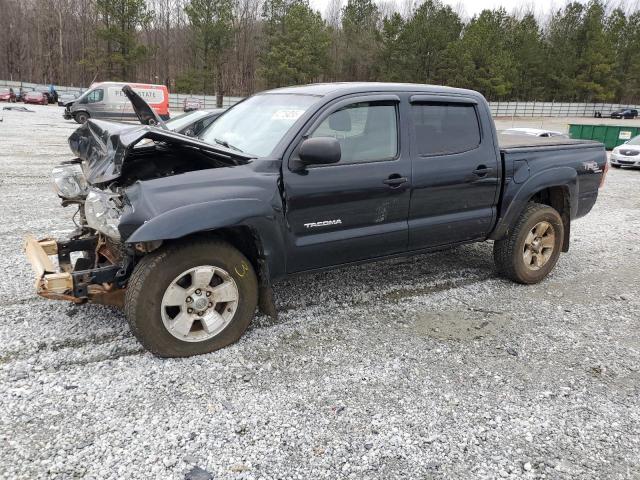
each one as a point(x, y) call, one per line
point(98, 276)
point(95, 262)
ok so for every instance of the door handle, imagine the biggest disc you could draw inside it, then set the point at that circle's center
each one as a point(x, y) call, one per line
point(482, 170)
point(395, 180)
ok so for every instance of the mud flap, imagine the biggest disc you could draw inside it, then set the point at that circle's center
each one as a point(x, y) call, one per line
point(266, 304)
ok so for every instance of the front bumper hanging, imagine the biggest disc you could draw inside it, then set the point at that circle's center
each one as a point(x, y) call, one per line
point(100, 285)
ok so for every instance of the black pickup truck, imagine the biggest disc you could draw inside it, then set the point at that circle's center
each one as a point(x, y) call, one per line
point(188, 234)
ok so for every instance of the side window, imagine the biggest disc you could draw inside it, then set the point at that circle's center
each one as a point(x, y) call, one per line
point(445, 128)
point(96, 96)
point(367, 131)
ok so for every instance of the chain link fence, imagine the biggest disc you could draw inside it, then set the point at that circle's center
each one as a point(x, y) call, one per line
point(176, 100)
point(553, 109)
point(498, 109)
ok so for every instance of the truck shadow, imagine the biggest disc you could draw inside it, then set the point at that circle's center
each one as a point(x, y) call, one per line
point(385, 281)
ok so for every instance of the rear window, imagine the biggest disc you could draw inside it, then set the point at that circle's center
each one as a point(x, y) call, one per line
point(445, 128)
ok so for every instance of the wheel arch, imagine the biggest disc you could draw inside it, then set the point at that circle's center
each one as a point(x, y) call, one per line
point(556, 187)
point(557, 197)
point(261, 251)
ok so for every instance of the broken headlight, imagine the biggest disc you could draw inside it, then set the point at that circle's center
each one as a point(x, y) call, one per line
point(69, 181)
point(102, 211)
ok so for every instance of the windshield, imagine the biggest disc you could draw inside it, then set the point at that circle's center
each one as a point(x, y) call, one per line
point(256, 125)
point(634, 141)
point(181, 121)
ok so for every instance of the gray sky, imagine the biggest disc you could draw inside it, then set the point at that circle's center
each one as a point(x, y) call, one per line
point(470, 7)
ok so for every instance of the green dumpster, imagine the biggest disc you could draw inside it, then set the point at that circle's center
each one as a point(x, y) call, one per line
point(610, 135)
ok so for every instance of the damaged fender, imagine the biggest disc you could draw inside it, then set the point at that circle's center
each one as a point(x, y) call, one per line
point(207, 200)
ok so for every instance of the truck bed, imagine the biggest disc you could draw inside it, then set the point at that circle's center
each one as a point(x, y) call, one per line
point(510, 142)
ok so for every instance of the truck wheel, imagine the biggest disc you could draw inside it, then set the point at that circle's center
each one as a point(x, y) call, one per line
point(191, 299)
point(531, 249)
point(81, 117)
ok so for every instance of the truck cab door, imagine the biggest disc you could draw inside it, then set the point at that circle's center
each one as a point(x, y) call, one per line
point(355, 209)
point(456, 171)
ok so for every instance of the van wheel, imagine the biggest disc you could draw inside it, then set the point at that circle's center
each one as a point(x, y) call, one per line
point(191, 299)
point(532, 248)
point(81, 117)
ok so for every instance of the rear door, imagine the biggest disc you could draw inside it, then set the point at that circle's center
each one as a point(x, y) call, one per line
point(356, 209)
point(455, 171)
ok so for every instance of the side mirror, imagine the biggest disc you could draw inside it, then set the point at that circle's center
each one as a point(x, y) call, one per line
point(320, 151)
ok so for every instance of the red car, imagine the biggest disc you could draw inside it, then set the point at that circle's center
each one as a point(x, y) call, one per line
point(36, 97)
point(7, 95)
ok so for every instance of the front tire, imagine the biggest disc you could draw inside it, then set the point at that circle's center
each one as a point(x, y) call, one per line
point(81, 117)
point(532, 248)
point(191, 299)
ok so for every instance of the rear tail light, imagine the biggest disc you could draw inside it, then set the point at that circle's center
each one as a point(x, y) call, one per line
point(605, 170)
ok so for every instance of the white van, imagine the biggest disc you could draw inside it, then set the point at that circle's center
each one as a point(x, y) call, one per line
point(106, 100)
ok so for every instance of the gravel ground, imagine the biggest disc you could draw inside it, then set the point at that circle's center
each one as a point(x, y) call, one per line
point(424, 367)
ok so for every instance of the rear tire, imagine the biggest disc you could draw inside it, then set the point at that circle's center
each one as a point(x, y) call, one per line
point(162, 278)
point(532, 248)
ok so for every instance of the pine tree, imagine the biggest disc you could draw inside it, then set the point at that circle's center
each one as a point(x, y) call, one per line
point(121, 51)
point(297, 49)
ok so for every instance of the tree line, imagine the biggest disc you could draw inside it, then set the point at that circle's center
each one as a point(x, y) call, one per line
point(580, 52)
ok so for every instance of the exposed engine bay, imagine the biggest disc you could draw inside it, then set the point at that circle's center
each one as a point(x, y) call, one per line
point(94, 263)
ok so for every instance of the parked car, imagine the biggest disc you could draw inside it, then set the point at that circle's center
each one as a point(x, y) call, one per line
point(188, 234)
point(190, 124)
point(67, 97)
point(534, 132)
point(191, 104)
point(39, 98)
point(106, 100)
point(193, 123)
point(22, 92)
point(627, 154)
point(7, 95)
point(628, 113)
point(51, 94)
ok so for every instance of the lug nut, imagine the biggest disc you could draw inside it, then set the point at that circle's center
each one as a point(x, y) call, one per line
point(189, 299)
point(198, 291)
point(201, 313)
point(189, 310)
point(208, 294)
point(210, 304)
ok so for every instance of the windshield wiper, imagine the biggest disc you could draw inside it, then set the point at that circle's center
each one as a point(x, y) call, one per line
point(224, 143)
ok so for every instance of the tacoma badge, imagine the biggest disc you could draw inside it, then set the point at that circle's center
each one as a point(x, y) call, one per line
point(325, 223)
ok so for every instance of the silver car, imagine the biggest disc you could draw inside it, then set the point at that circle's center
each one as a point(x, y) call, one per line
point(627, 154)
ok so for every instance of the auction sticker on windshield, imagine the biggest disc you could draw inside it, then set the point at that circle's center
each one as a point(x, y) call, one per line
point(291, 114)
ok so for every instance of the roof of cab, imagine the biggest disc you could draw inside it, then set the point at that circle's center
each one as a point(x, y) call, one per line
point(344, 88)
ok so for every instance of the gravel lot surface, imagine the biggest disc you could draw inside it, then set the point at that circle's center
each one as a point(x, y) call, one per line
point(425, 367)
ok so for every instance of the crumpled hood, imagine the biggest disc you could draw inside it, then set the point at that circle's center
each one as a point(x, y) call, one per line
point(104, 146)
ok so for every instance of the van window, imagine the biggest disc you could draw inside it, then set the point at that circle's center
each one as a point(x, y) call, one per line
point(367, 131)
point(445, 128)
point(95, 96)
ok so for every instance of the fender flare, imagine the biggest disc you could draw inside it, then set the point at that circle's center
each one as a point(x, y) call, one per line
point(565, 177)
point(259, 216)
